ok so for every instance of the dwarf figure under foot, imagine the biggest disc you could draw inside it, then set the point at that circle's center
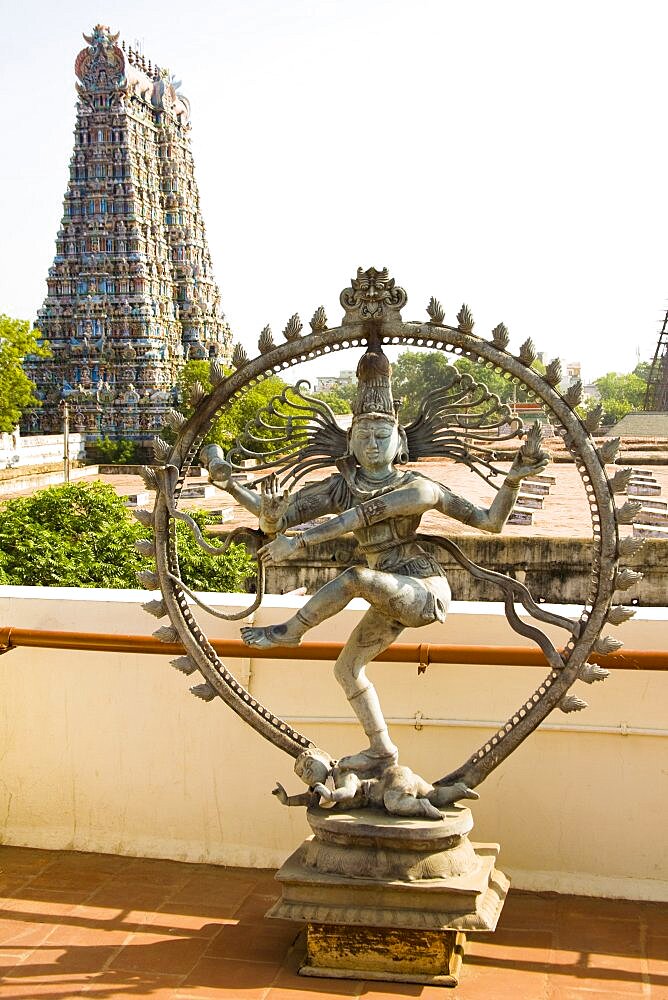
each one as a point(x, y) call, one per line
point(397, 791)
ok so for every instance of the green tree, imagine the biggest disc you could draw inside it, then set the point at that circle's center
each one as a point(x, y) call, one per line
point(121, 452)
point(225, 574)
point(336, 402)
point(17, 392)
point(227, 426)
point(78, 535)
point(81, 535)
point(417, 373)
point(620, 394)
point(347, 391)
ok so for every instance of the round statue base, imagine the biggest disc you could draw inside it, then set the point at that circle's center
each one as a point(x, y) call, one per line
point(389, 898)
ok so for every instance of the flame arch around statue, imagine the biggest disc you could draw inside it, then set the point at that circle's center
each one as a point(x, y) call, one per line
point(373, 314)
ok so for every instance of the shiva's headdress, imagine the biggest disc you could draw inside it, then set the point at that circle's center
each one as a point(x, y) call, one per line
point(374, 386)
point(296, 433)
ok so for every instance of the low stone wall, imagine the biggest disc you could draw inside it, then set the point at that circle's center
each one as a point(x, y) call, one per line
point(554, 569)
point(636, 457)
point(110, 752)
point(136, 470)
point(119, 470)
point(41, 478)
point(17, 451)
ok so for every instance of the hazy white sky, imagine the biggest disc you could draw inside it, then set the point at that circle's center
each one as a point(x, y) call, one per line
point(508, 154)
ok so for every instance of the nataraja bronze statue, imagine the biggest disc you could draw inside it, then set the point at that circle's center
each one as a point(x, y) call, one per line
point(370, 494)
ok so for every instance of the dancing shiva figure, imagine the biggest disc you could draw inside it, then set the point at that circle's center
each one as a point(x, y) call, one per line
point(371, 496)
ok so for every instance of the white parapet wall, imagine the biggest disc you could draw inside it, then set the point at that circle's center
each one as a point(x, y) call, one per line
point(110, 752)
point(17, 452)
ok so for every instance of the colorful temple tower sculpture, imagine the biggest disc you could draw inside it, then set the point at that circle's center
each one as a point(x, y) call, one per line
point(131, 293)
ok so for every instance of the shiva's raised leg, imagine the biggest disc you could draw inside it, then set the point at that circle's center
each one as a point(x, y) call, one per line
point(400, 598)
point(397, 602)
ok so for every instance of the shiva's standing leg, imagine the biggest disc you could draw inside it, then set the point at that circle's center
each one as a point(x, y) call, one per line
point(371, 636)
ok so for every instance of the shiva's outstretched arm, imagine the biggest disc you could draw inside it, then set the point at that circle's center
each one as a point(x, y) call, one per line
point(494, 517)
point(275, 508)
point(420, 496)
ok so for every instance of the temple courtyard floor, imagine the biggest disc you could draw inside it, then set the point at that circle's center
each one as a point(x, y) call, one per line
point(100, 925)
point(565, 511)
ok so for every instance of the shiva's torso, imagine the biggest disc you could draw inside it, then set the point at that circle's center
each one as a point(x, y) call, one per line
point(389, 545)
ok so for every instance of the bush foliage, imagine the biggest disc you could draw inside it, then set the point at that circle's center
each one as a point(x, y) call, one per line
point(81, 535)
point(416, 373)
point(222, 574)
point(622, 393)
point(121, 452)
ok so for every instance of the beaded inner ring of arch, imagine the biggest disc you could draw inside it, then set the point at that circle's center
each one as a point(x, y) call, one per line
point(373, 319)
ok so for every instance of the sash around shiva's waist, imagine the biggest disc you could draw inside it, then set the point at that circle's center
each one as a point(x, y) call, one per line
point(407, 558)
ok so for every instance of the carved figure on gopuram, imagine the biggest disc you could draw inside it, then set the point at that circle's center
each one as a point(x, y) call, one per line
point(131, 239)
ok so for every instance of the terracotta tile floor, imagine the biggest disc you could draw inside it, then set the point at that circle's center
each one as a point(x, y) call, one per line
point(99, 926)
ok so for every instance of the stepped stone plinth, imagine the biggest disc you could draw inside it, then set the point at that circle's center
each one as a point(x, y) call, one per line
point(649, 531)
point(654, 504)
point(541, 478)
point(540, 489)
point(389, 898)
point(201, 491)
point(137, 499)
point(658, 517)
point(224, 514)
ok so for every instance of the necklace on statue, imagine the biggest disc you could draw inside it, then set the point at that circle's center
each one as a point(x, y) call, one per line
point(368, 485)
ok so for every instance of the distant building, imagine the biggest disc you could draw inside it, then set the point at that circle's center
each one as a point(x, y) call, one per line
point(131, 293)
point(590, 391)
point(573, 371)
point(326, 384)
point(330, 383)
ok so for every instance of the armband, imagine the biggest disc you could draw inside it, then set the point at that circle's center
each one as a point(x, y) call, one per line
point(458, 507)
point(372, 511)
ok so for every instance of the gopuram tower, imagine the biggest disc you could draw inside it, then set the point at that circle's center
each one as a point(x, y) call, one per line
point(131, 293)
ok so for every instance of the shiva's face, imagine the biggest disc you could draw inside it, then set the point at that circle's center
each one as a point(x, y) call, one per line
point(374, 442)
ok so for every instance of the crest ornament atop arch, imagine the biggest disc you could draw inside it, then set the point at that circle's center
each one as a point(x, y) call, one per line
point(372, 295)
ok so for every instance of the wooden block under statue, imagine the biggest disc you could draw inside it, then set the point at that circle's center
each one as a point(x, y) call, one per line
point(388, 898)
